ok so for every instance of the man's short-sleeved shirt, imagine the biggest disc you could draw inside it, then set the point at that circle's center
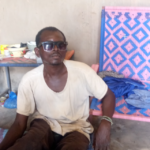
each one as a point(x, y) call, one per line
point(67, 110)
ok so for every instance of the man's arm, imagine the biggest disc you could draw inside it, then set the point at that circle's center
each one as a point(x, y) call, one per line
point(108, 106)
point(15, 132)
point(102, 137)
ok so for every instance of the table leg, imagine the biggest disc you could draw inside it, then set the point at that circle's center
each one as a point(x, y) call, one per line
point(8, 78)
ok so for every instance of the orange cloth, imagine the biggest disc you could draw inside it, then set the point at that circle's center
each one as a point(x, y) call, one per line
point(69, 54)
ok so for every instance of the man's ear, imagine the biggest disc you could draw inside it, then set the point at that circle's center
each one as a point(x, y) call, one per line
point(37, 52)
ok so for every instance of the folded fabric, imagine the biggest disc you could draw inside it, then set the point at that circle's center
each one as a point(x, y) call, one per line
point(110, 73)
point(122, 86)
point(140, 98)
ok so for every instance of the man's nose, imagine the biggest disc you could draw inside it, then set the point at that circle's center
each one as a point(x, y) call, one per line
point(55, 48)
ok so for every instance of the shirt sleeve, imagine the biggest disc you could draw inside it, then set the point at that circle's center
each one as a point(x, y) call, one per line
point(95, 85)
point(25, 99)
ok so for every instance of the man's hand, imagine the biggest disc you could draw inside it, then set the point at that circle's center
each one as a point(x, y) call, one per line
point(102, 137)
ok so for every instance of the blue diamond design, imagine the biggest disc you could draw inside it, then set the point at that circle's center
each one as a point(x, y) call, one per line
point(142, 60)
point(108, 33)
point(128, 16)
point(147, 15)
point(141, 71)
point(132, 111)
point(146, 24)
point(143, 48)
point(106, 59)
point(114, 43)
point(131, 108)
point(112, 27)
point(118, 109)
point(117, 37)
point(147, 85)
point(119, 15)
point(130, 69)
point(144, 37)
point(109, 65)
point(126, 43)
point(142, 111)
point(120, 62)
point(131, 28)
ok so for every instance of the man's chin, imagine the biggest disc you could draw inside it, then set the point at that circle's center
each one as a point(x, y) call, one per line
point(56, 62)
point(53, 63)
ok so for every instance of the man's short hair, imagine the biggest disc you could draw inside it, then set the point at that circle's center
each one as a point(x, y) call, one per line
point(38, 36)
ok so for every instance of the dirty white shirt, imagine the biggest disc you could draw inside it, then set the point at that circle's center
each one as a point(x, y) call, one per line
point(67, 110)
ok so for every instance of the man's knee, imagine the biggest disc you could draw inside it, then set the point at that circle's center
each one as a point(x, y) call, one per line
point(37, 137)
point(73, 141)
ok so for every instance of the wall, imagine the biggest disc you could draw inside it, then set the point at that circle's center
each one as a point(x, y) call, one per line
point(20, 20)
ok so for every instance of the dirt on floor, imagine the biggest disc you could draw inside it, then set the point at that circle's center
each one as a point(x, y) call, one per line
point(125, 134)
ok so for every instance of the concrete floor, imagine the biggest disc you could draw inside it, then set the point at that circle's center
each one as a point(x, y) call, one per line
point(125, 134)
point(129, 135)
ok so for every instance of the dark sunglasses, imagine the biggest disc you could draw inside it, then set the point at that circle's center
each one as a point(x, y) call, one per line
point(49, 45)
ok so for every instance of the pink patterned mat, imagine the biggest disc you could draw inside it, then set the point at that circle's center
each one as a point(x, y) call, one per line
point(127, 42)
point(125, 48)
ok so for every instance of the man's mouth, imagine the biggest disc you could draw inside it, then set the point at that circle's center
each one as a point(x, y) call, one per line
point(56, 56)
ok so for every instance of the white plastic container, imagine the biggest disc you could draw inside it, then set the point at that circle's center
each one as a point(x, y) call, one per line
point(7, 53)
point(17, 51)
point(31, 45)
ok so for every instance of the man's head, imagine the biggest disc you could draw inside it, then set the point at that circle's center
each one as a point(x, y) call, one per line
point(51, 45)
point(38, 36)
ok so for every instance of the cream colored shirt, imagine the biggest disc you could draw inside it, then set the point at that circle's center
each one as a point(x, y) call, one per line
point(67, 110)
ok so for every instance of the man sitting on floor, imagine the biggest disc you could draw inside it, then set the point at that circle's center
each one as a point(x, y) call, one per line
point(57, 93)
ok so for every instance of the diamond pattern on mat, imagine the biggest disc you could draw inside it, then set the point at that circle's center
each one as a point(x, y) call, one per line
point(136, 25)
point(147, 85)
point(119, 108)
point(107, 34)
point(147, 24)
point(137, 60)
point(146, 48)
point(111, 45)
point(127, 71)
point(145, 112)
point(118, 58)
point(122, 19)
point(121, 34)
point(124, 109)
point(105, 58)
point(112, 23)
point(132, 23)
point(109, 67)
point(147, 15)
point(144, 73)
point(140, 35)
point(129, 46)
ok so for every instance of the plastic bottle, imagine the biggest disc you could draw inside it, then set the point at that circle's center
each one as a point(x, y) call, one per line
point(6, 52)
point(2, 48)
